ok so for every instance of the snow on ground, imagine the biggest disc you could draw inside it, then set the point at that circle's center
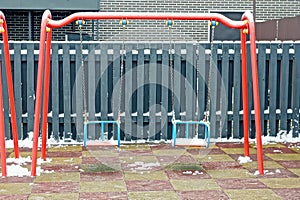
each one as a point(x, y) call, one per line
point(15, 167)
point(243, 159)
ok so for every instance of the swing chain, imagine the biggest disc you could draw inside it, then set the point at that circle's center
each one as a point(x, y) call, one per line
point(170, 23)
point(213, 24)
point(124, 23)
point(83, 73)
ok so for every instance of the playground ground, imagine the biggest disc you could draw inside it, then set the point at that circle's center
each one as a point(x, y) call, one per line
point(159, 172)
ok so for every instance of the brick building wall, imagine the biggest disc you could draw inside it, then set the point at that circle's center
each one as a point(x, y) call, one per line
point(150, 30)
point(18, 27)
point(185, 30)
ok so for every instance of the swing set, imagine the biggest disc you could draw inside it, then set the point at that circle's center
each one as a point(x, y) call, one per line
point(246, 26)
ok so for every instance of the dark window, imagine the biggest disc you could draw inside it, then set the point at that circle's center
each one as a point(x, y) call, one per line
point(223, 32)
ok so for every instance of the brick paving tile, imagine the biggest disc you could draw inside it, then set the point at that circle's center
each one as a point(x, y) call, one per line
point(290, 164)
point(94, 160)
point(101, 176)
point(230, 173)
point(52, 196)
point(15, 188)
point(59, 177)
point(229, 145)
point(136, 153)
point(55, 187)
point(180, 158)
point(103, 195)
point(151, 195)
point(237, 150)
point(204, 151)
point(14, 197)
point(66, 154)
point(295, 171)
point(221, 165)
point(103, 186)
point(194, 184)
point(214, 158)
point(275, 173)
point(154, 185)
point(61, 168)
point(268, 164)
point(280, 150)
point(150, 175)
point(252, 194)
point(288, 194)
point(187, 175)
point(202, 195)
point(252, 157)
point(14, 179)
point(281, 182)
point(284, 157)
point(240, 183)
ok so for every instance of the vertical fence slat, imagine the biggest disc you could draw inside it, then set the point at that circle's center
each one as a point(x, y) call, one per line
point(116, 83)
point(237, 90)
point(273, 88)
point(250, 93)
point(152, 91)
point(140, 91)
point(189, 85)
point(262, 81)
point(296, 91)
point(30, 86)
point(55, 91)
point(128, 92)
point(67, 90)
point(165, 87)
point(201, 68)
point(176, 78)
point(213, 93)
point(104, 83)
point(18, 86)
point(224, 91)
point(5, 96)
point(284, 87)
point(79, 96)
point(91, 90)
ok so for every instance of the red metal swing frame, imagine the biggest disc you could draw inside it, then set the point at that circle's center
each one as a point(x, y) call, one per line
point(246, 25)
point(4, 32)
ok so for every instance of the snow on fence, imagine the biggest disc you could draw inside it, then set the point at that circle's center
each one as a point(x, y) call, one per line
point(147, 93)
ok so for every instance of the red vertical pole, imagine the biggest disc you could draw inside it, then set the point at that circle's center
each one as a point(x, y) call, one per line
point(254, 68)
point(38, 95)
point(2, 129)
point(46, 94)
point(10, 88)
point(245, 94)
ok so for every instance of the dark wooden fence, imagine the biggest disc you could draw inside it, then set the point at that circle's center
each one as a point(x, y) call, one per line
point(146, 100)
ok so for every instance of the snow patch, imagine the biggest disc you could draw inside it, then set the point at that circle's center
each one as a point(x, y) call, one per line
point(141, 166)
point(243, 160)
point(15, 168)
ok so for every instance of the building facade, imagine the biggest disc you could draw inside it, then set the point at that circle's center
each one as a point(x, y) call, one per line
point(25, 25)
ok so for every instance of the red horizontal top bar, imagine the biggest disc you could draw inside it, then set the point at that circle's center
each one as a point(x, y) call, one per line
point(145, 16)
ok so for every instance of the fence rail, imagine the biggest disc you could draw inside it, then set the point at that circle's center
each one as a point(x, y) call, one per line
point(146, 96)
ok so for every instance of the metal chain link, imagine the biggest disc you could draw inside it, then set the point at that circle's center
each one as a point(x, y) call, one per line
point(206, 115)
point(171, 73)
point(83, 77)
point(121, 77)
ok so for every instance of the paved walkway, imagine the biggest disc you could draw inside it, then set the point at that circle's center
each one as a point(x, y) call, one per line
point(159, 172)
